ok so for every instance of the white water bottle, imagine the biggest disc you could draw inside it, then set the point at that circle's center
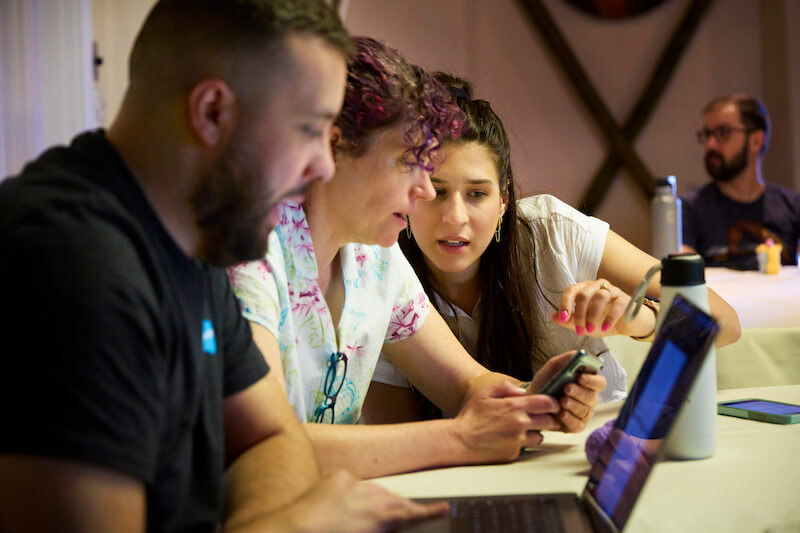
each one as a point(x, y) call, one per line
point(694, 435)
point(665, 211)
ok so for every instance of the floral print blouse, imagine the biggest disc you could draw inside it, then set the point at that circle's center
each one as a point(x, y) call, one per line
point(384, 302)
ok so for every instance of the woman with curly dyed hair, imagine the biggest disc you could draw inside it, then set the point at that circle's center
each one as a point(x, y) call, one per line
point(335, 290)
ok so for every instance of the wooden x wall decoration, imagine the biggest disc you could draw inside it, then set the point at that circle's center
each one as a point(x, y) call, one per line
point(620, 139)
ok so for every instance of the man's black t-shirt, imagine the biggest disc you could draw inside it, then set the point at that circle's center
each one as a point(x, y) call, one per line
point(117, 348)
point(726, 232)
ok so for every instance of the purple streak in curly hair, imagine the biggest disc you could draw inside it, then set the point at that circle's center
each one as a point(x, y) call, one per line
point(384, 90)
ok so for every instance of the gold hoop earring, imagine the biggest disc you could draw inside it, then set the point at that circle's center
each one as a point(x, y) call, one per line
point(499, 227)
point(408, 227)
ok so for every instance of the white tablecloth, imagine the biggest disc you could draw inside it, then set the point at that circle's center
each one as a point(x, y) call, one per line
point(761, 300)
point(748, 485)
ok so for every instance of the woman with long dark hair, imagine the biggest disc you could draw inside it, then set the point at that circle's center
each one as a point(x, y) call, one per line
point(518, 281)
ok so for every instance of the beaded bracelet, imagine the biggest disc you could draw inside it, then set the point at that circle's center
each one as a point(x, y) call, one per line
point(655, 305)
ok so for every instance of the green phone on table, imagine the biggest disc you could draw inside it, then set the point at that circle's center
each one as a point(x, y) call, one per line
point(761, 410)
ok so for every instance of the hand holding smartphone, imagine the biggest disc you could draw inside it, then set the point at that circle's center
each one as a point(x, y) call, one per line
point(579, 363)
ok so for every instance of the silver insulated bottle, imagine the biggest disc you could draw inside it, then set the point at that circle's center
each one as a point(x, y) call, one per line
point(665, 210)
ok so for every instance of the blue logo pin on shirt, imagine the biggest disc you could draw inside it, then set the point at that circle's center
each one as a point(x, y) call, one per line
point(209, 341)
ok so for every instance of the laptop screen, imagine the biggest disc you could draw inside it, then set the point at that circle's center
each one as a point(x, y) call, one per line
point(625, 460)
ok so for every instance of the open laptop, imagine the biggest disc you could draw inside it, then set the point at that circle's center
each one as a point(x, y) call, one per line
point(618, 475)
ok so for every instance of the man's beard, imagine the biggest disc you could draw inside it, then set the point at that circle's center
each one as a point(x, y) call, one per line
point(231, 205)
point(724, 172)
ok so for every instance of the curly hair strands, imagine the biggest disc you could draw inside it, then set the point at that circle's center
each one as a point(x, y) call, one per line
point(384, 90)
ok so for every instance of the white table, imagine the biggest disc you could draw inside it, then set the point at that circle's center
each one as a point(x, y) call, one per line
point(750, 484)
point(768, 352)
point(761, 300)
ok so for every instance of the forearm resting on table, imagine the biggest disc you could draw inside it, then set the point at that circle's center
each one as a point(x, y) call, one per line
point(730, 327)
point(271, 461)
point(267, 477)
point(378, 450)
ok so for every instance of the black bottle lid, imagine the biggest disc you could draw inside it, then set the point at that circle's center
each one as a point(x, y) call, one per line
point(666, 184)
point(683, 269)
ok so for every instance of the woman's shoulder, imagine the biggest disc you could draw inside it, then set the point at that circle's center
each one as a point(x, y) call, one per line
point(544, 206)
point(556, 221)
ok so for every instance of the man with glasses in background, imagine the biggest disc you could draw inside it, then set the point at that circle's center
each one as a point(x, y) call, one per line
point(726, 219)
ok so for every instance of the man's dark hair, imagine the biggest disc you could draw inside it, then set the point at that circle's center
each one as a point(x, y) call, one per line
point(183, 42)
point(752, 113)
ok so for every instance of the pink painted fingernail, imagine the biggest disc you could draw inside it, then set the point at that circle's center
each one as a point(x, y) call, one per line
point(554, 316)
point(589, 327)
point(579, 330)
point(605, 327)
point(564, 316)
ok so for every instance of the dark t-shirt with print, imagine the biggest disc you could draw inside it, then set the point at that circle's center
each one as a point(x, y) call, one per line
point(118, 349)
point(726, 232)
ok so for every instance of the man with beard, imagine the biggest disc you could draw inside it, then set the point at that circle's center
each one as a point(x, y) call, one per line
point(726, 219)
point(129, 383)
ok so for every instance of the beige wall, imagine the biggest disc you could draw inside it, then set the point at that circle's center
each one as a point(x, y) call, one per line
point(115, 24)
point(742, 45)
point(792, 21)
point(556, 147)
point(778, 90)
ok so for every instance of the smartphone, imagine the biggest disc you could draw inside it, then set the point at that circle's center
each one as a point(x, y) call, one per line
point(579, 363)
point(761, 410)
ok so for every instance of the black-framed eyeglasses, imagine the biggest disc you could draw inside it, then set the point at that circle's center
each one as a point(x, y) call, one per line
point(334, 379)
point(720, 133)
